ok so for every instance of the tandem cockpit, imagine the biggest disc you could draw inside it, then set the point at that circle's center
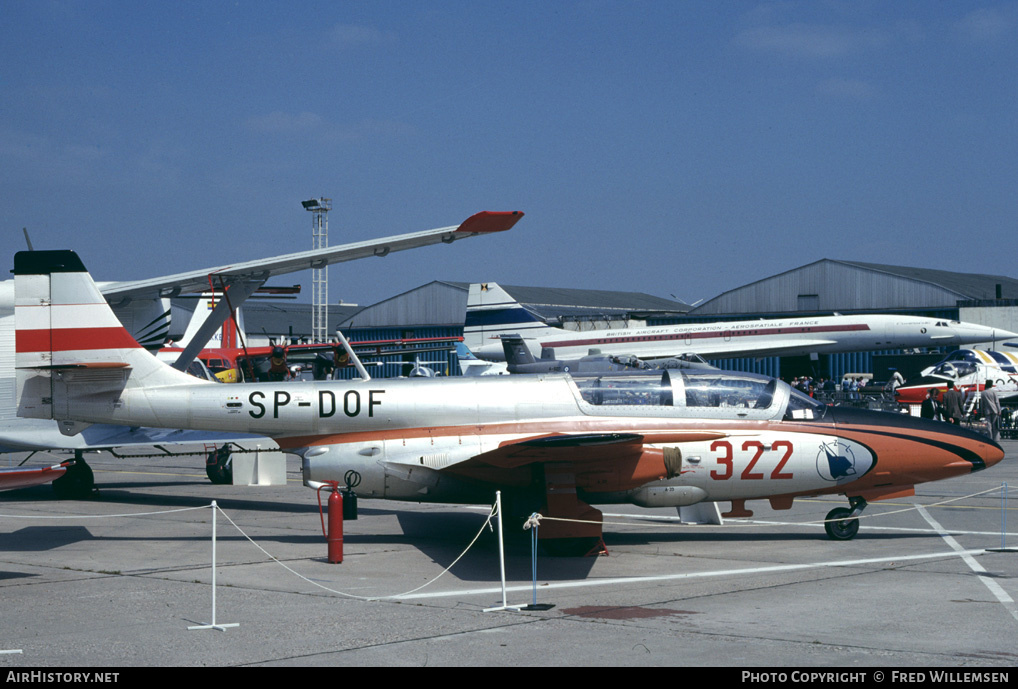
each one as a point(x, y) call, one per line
point(710, 394)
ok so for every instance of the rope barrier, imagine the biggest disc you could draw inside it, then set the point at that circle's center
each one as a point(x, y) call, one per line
point(535, 519)
point(487, 522)
point(533, 522)
point(100, 516)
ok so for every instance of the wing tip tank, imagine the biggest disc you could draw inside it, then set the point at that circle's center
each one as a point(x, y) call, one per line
point(490, 221)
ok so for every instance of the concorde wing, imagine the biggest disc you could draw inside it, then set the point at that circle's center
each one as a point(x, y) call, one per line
point(789, 347)
point(485, 222)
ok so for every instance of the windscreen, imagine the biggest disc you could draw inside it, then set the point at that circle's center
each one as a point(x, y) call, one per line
point(802, 406)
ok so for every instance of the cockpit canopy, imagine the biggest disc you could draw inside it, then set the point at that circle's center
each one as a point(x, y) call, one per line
point(965, 362)
point(955, 369)
point(713, 394)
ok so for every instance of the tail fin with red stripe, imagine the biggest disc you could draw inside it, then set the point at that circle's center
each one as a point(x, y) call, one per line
point(69, 345)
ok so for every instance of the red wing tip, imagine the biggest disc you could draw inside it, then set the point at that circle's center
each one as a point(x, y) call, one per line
point(490, 221)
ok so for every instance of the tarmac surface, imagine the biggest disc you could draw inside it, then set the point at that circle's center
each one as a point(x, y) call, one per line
point(116, 582)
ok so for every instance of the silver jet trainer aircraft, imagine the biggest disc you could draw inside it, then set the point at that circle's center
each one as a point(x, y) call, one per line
point(553, 443)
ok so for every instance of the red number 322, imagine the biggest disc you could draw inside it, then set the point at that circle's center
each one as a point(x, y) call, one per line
point(727, 464)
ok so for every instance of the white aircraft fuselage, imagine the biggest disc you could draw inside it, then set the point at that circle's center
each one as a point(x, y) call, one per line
point(771, 337)
point(492, 312)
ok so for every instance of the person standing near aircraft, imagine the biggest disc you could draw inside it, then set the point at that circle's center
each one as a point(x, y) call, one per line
point(953, 404)
point(931, 407)
point(989, 407)
point(277, 365)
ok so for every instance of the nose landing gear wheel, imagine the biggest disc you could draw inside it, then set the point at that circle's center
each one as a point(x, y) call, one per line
point(839, 527)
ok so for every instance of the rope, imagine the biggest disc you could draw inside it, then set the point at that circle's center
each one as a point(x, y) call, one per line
point(487, 522)
point(535, 519)
point(100, 516)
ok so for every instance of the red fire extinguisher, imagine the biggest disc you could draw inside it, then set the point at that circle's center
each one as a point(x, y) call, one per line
point(334, 536)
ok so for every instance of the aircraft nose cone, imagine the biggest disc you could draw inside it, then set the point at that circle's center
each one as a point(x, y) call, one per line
point(993, 453)
point(927, 449)
point(984, 333)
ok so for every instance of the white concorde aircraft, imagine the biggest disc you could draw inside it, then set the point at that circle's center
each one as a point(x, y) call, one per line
point(670, 438)
point(492, 312)
point(143, 307)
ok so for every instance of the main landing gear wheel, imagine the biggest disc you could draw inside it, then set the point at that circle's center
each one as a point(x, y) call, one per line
point(218, 466)
point(839, 525)
point(77, 483)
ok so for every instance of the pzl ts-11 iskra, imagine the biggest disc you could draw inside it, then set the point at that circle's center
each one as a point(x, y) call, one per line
point(553, 443)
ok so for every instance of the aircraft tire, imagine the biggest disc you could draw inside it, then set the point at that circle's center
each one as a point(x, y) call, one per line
point(841, 530)
point(218, 467)
point(77, 483)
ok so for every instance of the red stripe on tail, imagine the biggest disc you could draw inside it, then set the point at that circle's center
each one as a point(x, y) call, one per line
point(73, 339)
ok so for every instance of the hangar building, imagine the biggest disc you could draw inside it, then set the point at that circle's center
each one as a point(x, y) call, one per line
point(827, 286)
point(832, 286)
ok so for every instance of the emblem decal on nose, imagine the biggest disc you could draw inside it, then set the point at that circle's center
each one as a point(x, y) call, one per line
point(837, 461)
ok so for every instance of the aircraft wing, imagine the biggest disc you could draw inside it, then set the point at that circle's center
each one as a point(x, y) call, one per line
point(485, 222)
point(732, 349)
point(618, 454)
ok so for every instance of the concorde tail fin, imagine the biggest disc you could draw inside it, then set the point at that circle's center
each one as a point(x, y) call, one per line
point(491, 313)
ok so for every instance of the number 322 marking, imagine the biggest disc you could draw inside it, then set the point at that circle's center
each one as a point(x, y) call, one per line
point(726, 460)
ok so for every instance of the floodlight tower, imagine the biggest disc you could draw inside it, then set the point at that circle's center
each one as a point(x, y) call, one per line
point(319, 274)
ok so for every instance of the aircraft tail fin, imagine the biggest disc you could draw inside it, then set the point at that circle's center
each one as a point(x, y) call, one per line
point(69, 346)
point(470, 365)
point(463, 353)
point(516, 350)
point(492, 312)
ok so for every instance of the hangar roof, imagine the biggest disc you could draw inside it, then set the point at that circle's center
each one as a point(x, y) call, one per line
point(445, 303)
point(835, 285)
point(970, 285)
point(552, 302)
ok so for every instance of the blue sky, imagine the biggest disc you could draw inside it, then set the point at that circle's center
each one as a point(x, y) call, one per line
point(674, 148)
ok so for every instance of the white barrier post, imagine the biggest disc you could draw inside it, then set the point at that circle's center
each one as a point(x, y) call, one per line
point(220, 627)
point(501, 558)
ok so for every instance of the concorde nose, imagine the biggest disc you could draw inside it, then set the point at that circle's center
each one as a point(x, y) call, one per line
point(921, 448)
point(971, 333)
